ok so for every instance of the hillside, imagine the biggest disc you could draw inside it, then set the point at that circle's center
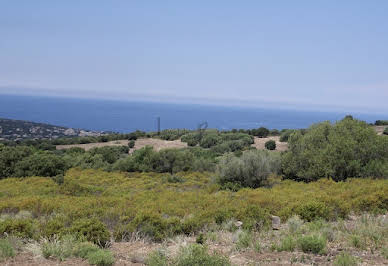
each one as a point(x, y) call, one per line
point(19, 129)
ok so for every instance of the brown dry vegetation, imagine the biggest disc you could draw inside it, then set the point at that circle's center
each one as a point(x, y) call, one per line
point(158, 144)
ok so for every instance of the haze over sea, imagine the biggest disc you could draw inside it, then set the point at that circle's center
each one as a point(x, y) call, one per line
point(126, 116)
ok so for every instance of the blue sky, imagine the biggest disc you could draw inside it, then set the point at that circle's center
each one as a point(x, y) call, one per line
point(306, 54)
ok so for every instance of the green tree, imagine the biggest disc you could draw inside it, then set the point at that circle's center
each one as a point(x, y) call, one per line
point(250, 170)
point(349, 148)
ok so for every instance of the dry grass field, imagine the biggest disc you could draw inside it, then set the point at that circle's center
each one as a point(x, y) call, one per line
point(158, 144)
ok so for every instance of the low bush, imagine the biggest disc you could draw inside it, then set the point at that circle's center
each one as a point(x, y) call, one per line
point(288, 243)
point(53, 227)
point(385, 132)
point(345, 259)
point(101, 258)
point(244, 240)
point(59, 248)
point(381, 122)
point(6, 249)
point(270, 145)
point(157, 258)
point(82, 250)
point(285, 135)
point(250, 170)
point(197, 255)
point(23, 228)
point(312, 244)
point(192, 139)
point(131, 144)
point(313, 210)
point(91, 230)
point(261, 132)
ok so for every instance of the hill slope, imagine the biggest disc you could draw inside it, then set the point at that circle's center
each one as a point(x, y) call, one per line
point(19, 129)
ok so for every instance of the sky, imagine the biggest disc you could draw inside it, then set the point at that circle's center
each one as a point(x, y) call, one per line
point(305, 54)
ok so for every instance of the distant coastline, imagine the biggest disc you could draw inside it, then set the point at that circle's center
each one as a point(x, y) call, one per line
point(126, 116)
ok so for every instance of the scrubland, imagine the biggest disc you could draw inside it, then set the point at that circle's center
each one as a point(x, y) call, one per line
point(156, 210)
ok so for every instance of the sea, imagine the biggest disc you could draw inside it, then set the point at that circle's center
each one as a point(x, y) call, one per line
point(127, 116)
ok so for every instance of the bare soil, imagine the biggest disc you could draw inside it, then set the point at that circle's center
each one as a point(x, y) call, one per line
point(158, 144)
point(379, 129)
point(260, 143)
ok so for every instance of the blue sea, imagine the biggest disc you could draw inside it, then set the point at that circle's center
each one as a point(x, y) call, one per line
point(126, 116)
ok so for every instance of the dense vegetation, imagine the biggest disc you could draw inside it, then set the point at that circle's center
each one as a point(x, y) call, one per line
point(157, 205)
point(381, 123)
point(106, 193)
point(349, 148)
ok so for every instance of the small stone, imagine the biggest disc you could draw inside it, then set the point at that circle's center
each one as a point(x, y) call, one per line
point(238, 224)
point(138, 259)
point(275, 222)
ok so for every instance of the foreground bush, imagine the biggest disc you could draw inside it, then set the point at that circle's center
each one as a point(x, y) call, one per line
point(6, 249)
point(312, 244)
point(70, 246)
point(148, 204)
point(349, 148)
point(22, 228)
point(92, 230)
point(345, 259)
point(197, 255)
point(250, 170)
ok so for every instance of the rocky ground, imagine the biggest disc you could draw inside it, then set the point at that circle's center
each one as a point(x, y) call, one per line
point(363, 239)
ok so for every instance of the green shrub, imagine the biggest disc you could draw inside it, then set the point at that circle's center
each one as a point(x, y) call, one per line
point(101, 258)
point(381, 122)
point(270, 145)
point(201, 239)
point(250, 170)
point(55, 226)
point(294, 224)
point(197, 255)
point(287, 244)
point(385, 132)
point(192, 139)
point(349, 148)
point(210, 140)
point(244, 240)
point(261, 132)
point(313, 210)
point(6, 249)
point(132, 136)
point(254, 218)
point(312, 244)
point(174, 179)
point(345, 259)
point(22, 228)
point(59, 248)
point(131, 144)
point(40, 164)
point(157, 258)
point(92, 230)
point(274, 132)
point(82, 250)
point(285, 135)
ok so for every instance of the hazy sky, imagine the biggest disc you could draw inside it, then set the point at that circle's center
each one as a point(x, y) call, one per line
point(324, 54)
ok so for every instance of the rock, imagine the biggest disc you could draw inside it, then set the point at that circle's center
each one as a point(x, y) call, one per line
point(238, 224)
point(275, 222)
point(138, 259)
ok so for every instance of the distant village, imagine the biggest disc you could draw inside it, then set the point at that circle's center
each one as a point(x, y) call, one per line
point(18, 129)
